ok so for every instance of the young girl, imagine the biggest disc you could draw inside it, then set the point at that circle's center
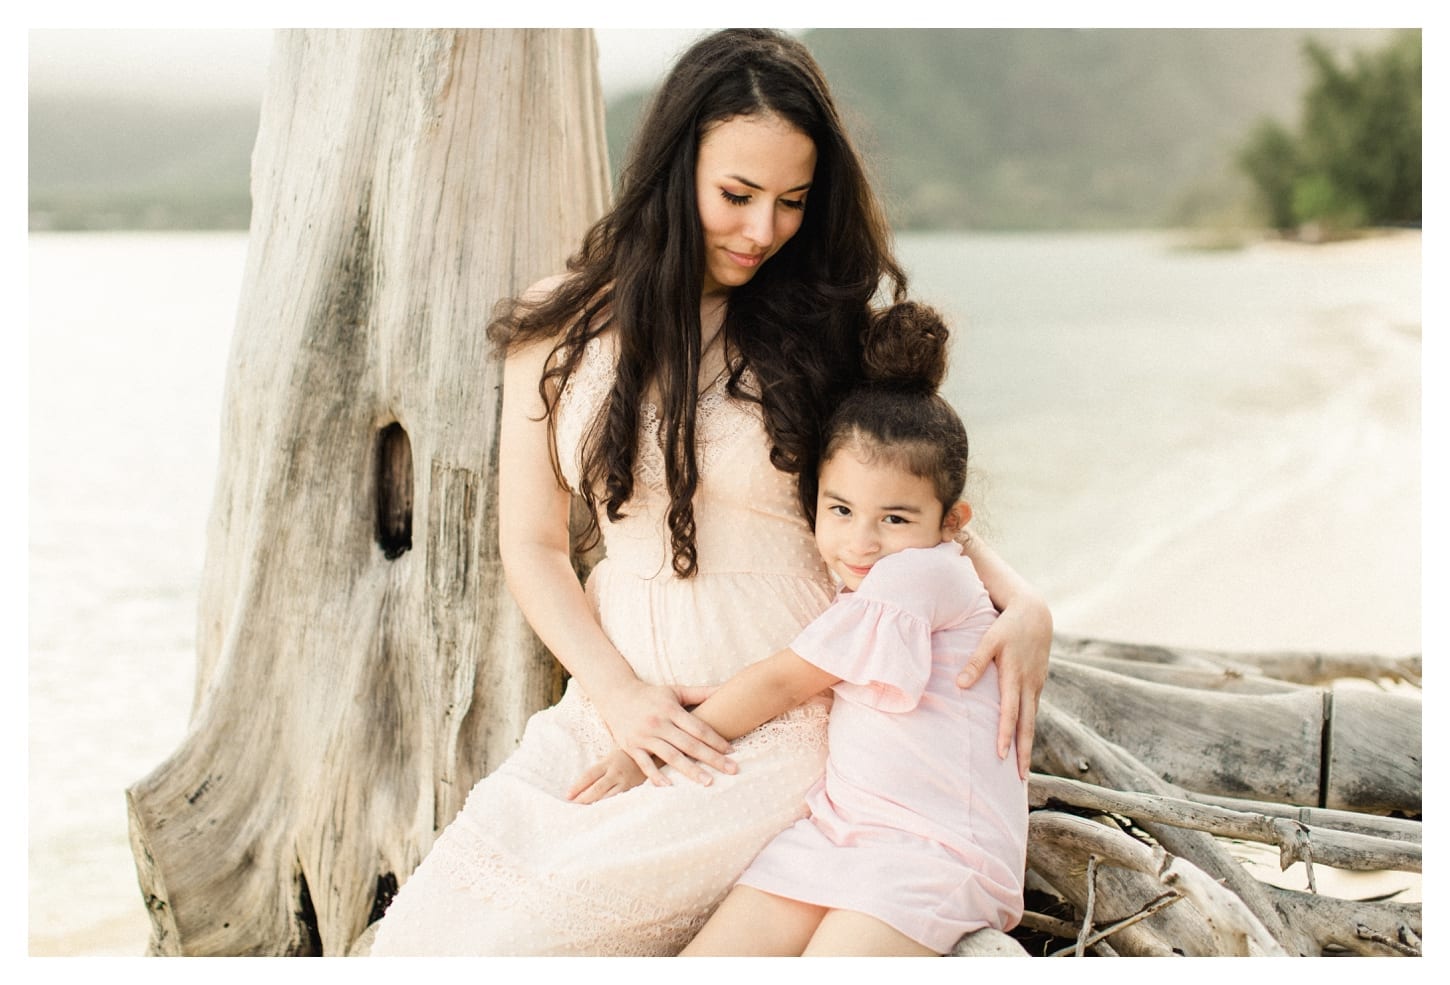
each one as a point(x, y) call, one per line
point(917, 833)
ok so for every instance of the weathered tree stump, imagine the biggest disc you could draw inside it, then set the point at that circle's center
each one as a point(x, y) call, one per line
point(360, 663)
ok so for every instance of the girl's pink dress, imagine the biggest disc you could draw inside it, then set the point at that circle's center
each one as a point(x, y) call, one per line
point(917, 822)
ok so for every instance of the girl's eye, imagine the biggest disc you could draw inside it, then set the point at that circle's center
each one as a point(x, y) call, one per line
point(840, 511)
point(734, 199)
point(892, 518)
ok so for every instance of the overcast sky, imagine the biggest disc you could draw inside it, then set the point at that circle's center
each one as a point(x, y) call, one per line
point(166, 64)
point(207, 63)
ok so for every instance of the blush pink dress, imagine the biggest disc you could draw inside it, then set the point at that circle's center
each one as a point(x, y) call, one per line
point(520, 870)
point(916, 822)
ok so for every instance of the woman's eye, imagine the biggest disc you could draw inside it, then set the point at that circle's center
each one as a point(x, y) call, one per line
point(734, 199)
point(840, 511)
point(798, 204)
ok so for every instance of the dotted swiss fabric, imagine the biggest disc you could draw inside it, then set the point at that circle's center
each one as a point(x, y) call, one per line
point(521, 870)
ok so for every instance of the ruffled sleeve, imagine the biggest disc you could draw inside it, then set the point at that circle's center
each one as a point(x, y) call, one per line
point(881, 651)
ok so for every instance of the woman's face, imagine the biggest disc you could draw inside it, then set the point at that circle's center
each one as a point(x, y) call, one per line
point(752, 174)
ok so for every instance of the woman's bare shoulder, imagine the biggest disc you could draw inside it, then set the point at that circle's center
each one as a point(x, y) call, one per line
point(534, 347)
point(538, 352)
point(541, 289)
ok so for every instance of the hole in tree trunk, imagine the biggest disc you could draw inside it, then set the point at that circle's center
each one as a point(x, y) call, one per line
point(307, 917)
point(395, 491)
point(383, 897)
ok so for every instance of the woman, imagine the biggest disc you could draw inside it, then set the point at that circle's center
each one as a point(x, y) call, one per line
point(678, 378)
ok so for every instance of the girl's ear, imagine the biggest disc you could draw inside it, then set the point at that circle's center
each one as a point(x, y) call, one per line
point(956, 519)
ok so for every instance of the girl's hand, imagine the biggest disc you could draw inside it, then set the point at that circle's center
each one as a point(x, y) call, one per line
point(613, 774)
point(651, 726)
point(1019, 641)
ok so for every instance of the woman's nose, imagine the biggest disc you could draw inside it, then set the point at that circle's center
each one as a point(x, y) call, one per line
point(760, 226)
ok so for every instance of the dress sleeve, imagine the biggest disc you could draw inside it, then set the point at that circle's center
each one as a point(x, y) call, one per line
point(881, 651)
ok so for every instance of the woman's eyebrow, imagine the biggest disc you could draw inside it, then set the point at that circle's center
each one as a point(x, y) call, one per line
point(750, 184)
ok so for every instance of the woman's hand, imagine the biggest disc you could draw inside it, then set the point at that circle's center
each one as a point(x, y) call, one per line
point(650, 724)
point(613, 774)
point(1019, 641)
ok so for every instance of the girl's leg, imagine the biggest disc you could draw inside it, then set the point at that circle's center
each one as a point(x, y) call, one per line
point(753, 922)
point(846, 933)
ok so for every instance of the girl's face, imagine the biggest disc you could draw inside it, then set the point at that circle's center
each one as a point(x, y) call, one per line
point(751, 178)
point(867, 509)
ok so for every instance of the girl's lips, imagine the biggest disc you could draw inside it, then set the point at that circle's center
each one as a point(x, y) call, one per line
point(856, 570)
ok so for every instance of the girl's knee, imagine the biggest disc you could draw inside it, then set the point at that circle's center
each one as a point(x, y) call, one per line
point(849, 933)
point(753, 922)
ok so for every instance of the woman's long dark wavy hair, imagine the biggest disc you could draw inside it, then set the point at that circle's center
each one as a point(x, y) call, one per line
point(796, 325)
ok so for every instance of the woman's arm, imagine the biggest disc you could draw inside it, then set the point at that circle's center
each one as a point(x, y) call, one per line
point(534, 546)
point(752, 697)
point(1019, 641)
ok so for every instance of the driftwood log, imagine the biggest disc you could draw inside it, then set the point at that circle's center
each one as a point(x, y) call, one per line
point(360, 664)
point(1169, 765)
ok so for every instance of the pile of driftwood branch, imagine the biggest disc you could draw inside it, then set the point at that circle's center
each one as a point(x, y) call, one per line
point(1155, 762)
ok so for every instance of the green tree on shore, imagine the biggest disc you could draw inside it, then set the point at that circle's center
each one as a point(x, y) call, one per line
point(1355, 160)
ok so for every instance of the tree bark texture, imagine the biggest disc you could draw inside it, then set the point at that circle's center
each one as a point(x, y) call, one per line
point(360, 662)
point(1318, 746)
point(1138, 743)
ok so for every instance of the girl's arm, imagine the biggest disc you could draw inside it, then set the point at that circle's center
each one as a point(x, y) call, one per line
point(762, 691)
point(534, 544)
point(752, 697)
point(1019, 641)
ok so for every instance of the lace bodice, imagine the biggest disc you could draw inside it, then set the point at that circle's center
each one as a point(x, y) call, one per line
point(746, 511)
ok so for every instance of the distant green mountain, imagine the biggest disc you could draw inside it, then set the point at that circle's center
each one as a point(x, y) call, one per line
point(121, 164)
point(984, 129)
point(1002, 129)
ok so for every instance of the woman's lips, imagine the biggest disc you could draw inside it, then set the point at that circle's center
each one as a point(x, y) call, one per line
point(745, 259)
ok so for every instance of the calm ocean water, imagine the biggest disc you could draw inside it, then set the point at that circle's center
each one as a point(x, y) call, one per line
point(1206, 449)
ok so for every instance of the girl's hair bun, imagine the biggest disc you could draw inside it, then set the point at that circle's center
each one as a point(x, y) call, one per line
point(905, 346)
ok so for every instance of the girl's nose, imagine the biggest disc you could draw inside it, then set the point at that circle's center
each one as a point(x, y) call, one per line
point(864, 541)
